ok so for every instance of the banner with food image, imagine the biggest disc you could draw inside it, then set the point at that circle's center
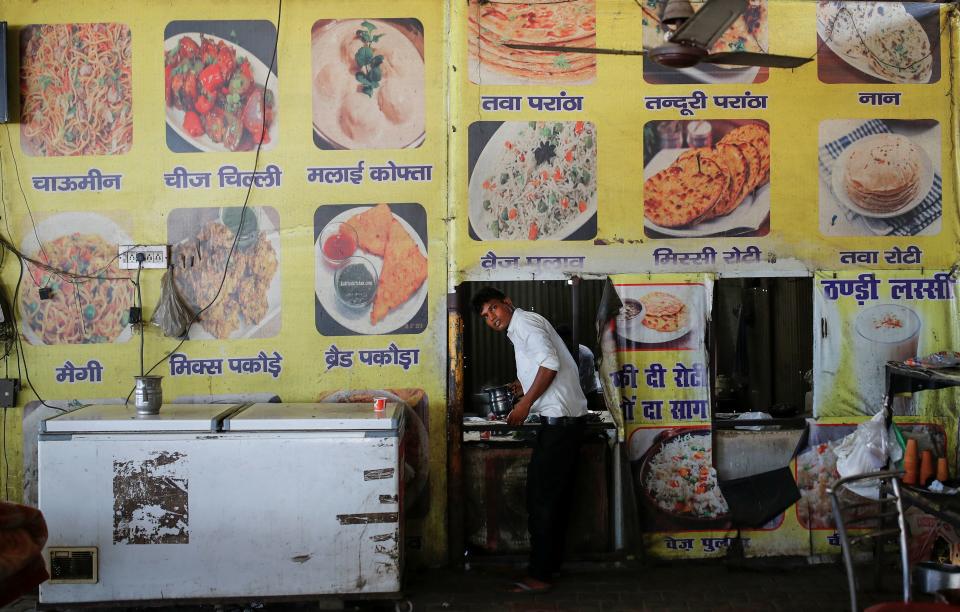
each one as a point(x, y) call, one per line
point(706, 178)
point(655, 365)
point(493, 25)
point(749, 32)
point(246, 301)
point(102, 130)
point(91, 308)
point(866, 319)
point(533, 180)
point(880, 177)
point(878, 42)
point(371, 269)
point(76, 92)
point(368, 83)
point(220, 86)
point(702, 131)
point(816, 468)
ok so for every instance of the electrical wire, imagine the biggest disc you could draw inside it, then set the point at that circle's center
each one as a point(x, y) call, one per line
point(6, 462)
point(140, 306)
point(243, 210)
point(21, 355)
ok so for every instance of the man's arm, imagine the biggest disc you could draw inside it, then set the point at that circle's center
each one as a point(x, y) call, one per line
point(541, 383)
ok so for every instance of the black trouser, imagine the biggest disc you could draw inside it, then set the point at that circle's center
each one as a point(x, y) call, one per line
point(550, 478)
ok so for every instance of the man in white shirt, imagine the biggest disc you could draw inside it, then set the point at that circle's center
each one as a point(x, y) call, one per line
point(589, 380)
point(549, 379)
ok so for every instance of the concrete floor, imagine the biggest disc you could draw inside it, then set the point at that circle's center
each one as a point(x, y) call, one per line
point(774, 585)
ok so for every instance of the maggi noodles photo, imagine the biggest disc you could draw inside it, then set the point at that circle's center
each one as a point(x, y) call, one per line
point(90, 302)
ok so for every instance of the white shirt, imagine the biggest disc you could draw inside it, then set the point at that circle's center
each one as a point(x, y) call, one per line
point(536, 344)
point(589, 381)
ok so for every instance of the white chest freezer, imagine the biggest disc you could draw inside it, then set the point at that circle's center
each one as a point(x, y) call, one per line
point(216, 501)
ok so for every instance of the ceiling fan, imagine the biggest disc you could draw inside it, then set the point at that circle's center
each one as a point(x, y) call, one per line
point(690, 35)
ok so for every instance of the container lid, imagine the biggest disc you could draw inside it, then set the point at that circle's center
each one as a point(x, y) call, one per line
point(316, 416)
point(124, 418)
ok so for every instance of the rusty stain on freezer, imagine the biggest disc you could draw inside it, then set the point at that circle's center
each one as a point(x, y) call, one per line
point(368, 518)
point(381, 474)
point(150, 504)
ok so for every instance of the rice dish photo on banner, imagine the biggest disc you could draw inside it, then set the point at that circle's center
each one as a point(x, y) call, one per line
point(878, 42)
point(660, 317)
point(706, 178)
point(79, 310)
point(220, 86)
point(749, 32)
point(546, 23)
point(76, 92)
point(242, 299)
point(675, 481)
point(532, 180)
point(368, 83)
point(880, 177)
point(370, 263)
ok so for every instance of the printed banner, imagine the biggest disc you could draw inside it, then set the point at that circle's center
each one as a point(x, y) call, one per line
point(655, 362)
point(568, 162)
point(867, 319)
point(296, 169)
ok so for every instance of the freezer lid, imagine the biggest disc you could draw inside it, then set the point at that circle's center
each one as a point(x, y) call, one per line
point(123, 418)
point(314, 416)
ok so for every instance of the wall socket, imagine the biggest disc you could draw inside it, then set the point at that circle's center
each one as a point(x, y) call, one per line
point(156, 256)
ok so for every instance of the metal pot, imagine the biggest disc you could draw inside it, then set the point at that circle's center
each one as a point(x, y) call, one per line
point(147, 394)
point(497, 401)
point(932, 577)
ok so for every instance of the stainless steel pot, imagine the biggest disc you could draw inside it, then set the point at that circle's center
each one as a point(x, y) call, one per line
point(497, 401)
point(147, 394)
point(932, 577)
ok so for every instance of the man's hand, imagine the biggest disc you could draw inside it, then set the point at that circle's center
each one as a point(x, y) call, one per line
point(519, 413)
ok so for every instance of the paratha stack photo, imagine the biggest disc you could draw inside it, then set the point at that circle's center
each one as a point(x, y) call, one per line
point(538, 22)
point(878, 42)
point(663, 312)
point(882, 174)
point(880, 177)
point(710, 191)
point(665, 315)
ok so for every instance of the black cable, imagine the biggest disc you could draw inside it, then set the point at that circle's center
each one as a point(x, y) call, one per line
point(6, 462)
point(16, 168)
point(140, 306)
point(243, 209)
point(21, 355)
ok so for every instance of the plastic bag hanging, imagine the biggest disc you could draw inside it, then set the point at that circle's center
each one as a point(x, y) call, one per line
point(172, 314)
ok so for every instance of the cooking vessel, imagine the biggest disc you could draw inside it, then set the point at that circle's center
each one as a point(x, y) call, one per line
point(495, 400)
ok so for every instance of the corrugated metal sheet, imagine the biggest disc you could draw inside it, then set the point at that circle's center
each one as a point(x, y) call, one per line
point(489, 356)
point(762, 328)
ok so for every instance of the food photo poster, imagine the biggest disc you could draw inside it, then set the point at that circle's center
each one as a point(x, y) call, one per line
point(714, 167)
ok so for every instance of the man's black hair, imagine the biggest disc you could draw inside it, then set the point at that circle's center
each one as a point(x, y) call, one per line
point(485, 295)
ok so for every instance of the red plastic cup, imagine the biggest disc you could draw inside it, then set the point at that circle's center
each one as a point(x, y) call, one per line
point(379, 404)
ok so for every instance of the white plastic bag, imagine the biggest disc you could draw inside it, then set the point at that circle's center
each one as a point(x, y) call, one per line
point(865, 450)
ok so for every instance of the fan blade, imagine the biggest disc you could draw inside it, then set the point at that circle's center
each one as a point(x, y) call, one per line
point(587, 50)
point(743, 58)
point(709, 23)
